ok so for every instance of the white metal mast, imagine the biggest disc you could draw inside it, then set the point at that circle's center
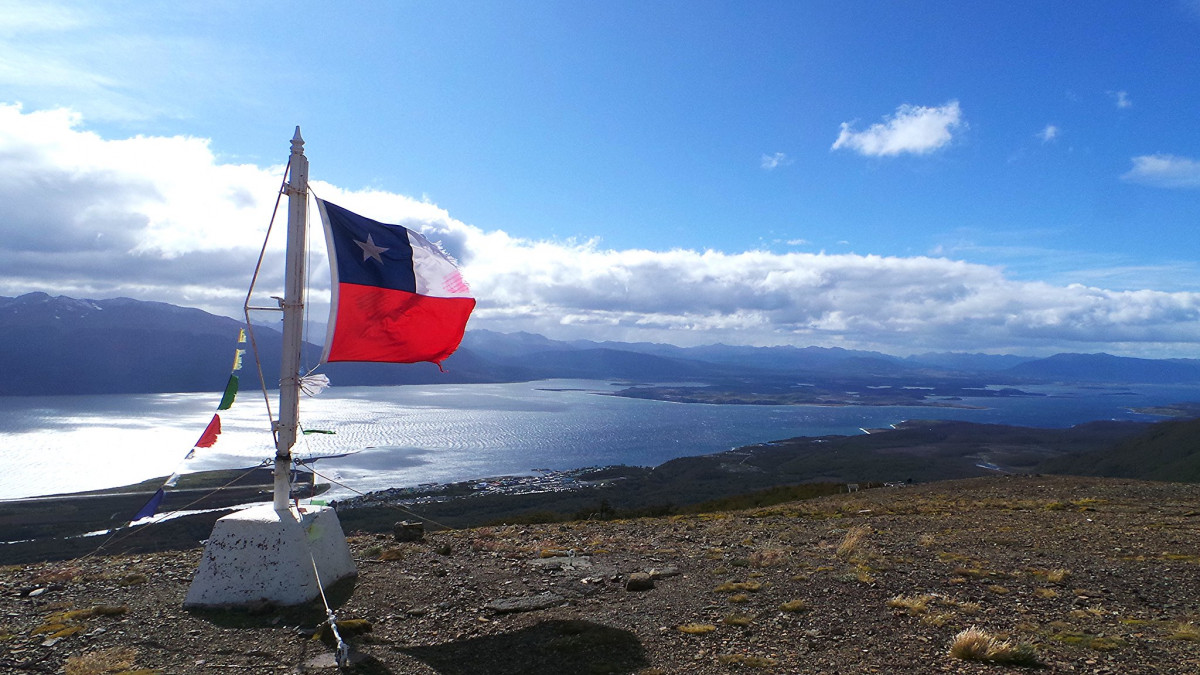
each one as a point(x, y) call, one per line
point(274, 553)
point(293, 322)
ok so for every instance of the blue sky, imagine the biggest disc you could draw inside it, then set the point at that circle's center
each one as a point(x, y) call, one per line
point(1017, 176)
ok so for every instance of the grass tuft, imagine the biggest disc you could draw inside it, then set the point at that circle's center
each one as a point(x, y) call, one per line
point(794, 606)
point(852, 541)
point(102, 662)
point(976, 644)
point(912, 604)
point(736, 619)
point(1186, 631)
point(738, 586)
point(697, 628)
point(393, 553)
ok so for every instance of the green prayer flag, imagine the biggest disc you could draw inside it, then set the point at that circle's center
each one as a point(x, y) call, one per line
point(318, 431)
point(230, 392)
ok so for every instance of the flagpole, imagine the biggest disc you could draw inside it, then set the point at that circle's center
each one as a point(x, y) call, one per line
point(293, 322)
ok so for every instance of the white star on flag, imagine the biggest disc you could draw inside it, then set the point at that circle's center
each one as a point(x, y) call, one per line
point(370, 250)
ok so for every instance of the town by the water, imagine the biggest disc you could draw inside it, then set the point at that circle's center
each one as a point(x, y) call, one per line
point(545, 480)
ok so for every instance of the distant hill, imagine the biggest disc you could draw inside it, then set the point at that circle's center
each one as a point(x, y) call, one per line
point(1166, 451)
point(60, 345)
point(969, 362)
point(1107, 368)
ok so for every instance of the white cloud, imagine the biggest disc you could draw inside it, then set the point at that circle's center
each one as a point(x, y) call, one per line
point(913, 129)
point(1167, 171)
point(161, 219)
point(1121, 99)
point(1049, 133)
point(775, 161)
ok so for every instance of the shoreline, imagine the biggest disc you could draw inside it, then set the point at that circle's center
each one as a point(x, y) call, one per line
point(915, 451)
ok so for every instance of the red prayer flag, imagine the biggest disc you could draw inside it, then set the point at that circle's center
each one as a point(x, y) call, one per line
point(209, 437)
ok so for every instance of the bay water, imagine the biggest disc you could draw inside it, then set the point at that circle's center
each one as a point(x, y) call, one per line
point(407, 435)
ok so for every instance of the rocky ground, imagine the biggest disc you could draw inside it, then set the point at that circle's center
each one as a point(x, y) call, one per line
point(1082, 575)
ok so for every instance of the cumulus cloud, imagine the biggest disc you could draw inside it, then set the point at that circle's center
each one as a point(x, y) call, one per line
point(161, 219)
point(1167, 171)
point(913, 129)
point(775, 161)
point(1049, 133)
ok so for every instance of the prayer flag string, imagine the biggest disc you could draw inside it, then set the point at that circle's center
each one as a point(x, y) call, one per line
point(207, 439)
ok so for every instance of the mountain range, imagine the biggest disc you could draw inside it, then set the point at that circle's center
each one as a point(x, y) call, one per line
point(55, 345)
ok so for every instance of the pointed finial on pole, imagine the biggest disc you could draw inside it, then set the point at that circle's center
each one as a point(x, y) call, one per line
point(297, 142)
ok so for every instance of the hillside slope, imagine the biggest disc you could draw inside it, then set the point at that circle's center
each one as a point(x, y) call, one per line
point(1097, 576)
point(1165, 451)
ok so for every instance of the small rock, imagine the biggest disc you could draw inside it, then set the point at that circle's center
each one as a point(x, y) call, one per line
point(407, 531)
point(669, 571)
point(639, 581)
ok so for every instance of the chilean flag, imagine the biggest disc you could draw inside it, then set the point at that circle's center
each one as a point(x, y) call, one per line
point(396, 297)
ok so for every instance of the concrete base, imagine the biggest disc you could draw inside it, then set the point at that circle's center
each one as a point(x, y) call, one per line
point(262, 556)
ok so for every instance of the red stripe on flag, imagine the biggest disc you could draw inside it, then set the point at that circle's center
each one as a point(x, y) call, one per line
point(210, 433)
point(385, 325)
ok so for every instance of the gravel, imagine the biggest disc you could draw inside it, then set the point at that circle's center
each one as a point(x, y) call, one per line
point(1096, 575)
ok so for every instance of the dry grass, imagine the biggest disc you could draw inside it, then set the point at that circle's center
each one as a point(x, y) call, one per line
point(938, 619)
point(697, 628)
point(794, 606)
point(851, 543)
point(113, 660)
point(913, 604)
point(975, 644)
point(768, 557)
point(1186, 631)
point(393, 553)
point(738, 586)
point(736, 619)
